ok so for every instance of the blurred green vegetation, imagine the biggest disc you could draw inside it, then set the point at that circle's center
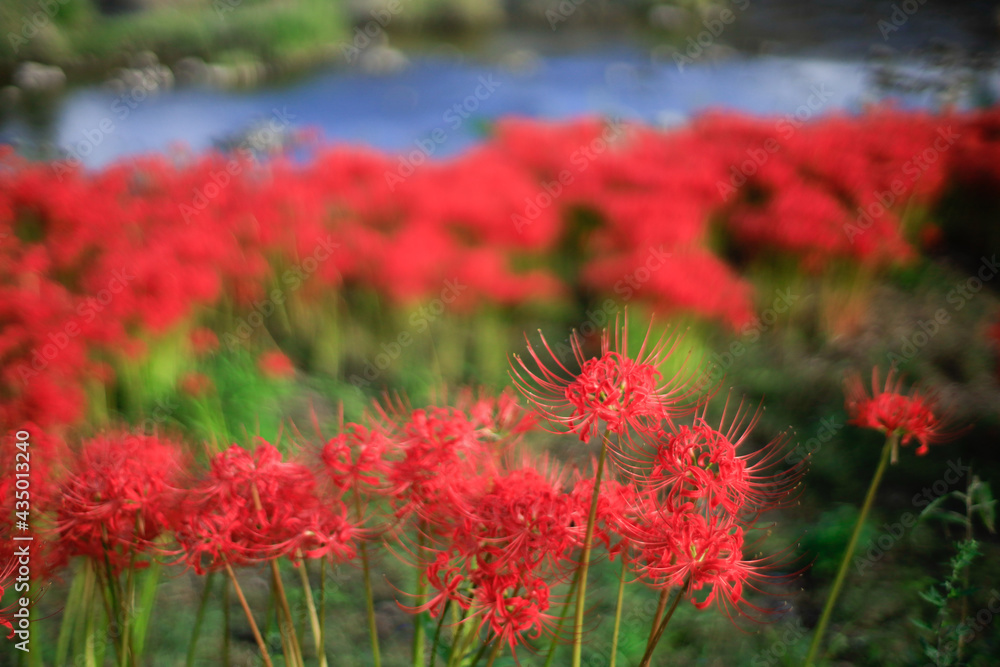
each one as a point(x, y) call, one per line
point(75, 34)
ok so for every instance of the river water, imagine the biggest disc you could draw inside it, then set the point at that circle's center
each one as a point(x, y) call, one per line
point(448, 97)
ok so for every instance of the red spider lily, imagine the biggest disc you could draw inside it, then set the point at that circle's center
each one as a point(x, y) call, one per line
point(443, 454)
point(613, 390)
point(355, 459)
point(511, 542)
point(705, 554)
point(203, 341)
point(513, 608)
point(276, 365)
point(912, 416)
point(256, 507)
point(118, 497)
point(93, 262)
point(6, 577)
point(701, 463)
point(196, 384)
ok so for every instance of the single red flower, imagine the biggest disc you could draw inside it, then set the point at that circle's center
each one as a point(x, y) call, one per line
point(203, 341)
point(908, 417)
point(195, 384)
point(276, 365)
point(702, 463)
point(118, 497)
point(614, 390)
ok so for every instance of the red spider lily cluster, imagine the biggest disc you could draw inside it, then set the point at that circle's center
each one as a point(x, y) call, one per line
point(449, 488)
point(689, 497)
point(94, 266)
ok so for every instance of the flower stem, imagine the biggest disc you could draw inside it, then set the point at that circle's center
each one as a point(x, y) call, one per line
point(317, 630)
point(419, 635)
point(661, 606)
point(198, 619)
point(581, 597)
point(246, 610)
point(655, 639)
point(285, 621)
point(71, 614)
point(437, 633)
point(562, 619)
point(497, 650)
point(831, 600)
point(322, 607)
point(618, 611)
point(369, 597)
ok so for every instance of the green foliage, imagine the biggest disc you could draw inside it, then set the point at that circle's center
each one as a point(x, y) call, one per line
point(946, 633)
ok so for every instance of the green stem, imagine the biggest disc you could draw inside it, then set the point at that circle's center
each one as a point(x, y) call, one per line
point(618, 611)
point(322, 607)
point(562, 618)
point(69, 618)
point(581, 597)
point(419, 635)
point(369, 596)
point(463, 642)
point(311, 607)
point(285, 619)
point(497, 650)
point(663, 625)
point(437, 633)
point(246, 610)
point(140, 627)
point(831, 600)
point(226, 626)
point(481, 652)
point(93, 583)
point(198, 619)
point(661, 606)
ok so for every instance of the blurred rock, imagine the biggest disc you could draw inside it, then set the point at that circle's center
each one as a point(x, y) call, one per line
point(152, 78)
point(521, 61)
point(191, 71)
point(32, 76)
point(382, 59)
point(668, 17)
